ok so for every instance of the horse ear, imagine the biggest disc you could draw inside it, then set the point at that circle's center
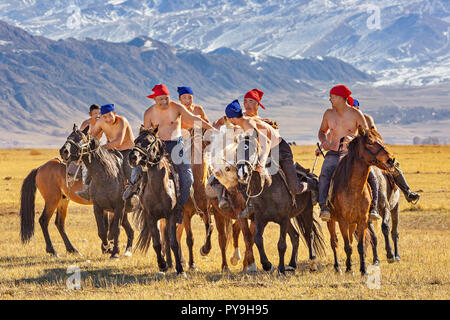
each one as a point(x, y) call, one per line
point(75, 127)
point(141, 129)
point(361, 131)
point(86, 130)
point(156, 130)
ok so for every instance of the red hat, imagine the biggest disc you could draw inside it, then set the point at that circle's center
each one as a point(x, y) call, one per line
point(342, 91)
point(255, 94)
point(159, 90)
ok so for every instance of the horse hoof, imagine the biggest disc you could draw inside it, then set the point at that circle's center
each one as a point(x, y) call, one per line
point(128, 253)
point(225, 269)
point(160, 275)
point(313, 265)
point(349, 273)
point(391, 260)
point(272, 269)
point(182, 275)
point(290, 269)
point(251, 269)
point(193, 268)
point(397, 259)
point(338, 270)
point(115, 256)
point(203, 252)
point(234, 261)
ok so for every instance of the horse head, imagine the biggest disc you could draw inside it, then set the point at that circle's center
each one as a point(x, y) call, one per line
point(78, 144)
point(247, 156)
point(370, 147)
point(148, 149)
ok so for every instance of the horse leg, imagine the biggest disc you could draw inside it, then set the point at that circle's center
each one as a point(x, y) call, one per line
point(259, 230)
point(294, 236)
point(374, 243)
point(395, 234)
point(387, 243)
point(166, 242)
point(156, 238)
point(102, 230)
point(174, 244)
point(343, 226)
point(180, 228)
point(282, 245)
point(222, 235)
point(130, 235)
point(236, 253)
point(189, 240)
point(206, 248)
point(115, 229)
point(249, 259)
point(107, 224)
point(334, 241)
point(61, 214)
point(361, 235)
point(44, 220)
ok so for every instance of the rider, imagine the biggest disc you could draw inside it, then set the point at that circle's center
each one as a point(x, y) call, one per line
point(118, 134)
point(398, 176)
point(94, 114)
point(342, 121)
point(252, 100)
point(269, 139)
point(169, 116)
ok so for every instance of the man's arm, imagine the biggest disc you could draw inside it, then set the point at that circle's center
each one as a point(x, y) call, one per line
point(361, 120)
point(84, 124)
point(147, 119)
point(190, 119)
point(370, 121)
point(118, 139)
point(97, 130)
point(203, 114)
point(323, 132)
point(262, 139)
point(219, 122)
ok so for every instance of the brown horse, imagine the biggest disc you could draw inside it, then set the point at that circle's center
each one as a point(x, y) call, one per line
point(350, 196)
point(50, 180)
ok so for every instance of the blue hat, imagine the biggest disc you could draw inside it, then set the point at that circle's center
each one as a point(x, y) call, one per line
point(184, 90)
point(234, 110)
point(106, 108)
point(355, 103)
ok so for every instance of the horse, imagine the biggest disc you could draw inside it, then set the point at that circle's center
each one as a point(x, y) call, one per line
point(106, 188)
point(158, 198)
point(272, 202)
point(349, 194)
point(388, 207)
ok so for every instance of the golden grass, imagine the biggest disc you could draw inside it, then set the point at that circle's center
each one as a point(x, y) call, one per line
point(29, 273)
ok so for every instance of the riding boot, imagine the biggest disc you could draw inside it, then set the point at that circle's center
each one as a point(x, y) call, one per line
point(84, 192)
point(325, 214)
point(294, 183)
point(373, 182)
point(247, 212)
point(221, 195)
point(400, 181)
point(133, 186)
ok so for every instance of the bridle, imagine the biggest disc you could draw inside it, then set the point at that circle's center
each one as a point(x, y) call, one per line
point(83, 149)
point(145, 154)
point(252, 167)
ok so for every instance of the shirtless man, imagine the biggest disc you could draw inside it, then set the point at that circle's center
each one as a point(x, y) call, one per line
point(94, 113)
point(186, 97)
point(252, 100)
point(269, 139)
point(118, 134)
point(342, 121)
point(399, 178)
point(169, 116)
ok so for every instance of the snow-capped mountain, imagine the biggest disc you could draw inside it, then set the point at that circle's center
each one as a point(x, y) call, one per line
point(398, 41)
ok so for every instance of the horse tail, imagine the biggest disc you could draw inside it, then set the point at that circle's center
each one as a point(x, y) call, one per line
point(300, 223)
point(27, 203)
point(145, 236)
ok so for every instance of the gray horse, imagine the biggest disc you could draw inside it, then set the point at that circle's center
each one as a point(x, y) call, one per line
point(106, 187)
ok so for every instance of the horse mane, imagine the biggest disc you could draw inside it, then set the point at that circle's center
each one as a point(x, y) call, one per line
point(344, 168)
point(107, 160)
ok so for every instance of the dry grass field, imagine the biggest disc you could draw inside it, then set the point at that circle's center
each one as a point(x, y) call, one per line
point(27, 272)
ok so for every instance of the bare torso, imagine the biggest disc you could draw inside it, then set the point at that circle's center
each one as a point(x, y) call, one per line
point(118, 134)
point(91, 123)
point(167, 120)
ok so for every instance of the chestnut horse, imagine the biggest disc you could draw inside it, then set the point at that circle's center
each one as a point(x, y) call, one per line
point(350, 196)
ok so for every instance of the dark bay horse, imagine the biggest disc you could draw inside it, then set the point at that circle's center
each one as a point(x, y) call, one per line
point(108, 175)
point(350, 197)
point(272, 202)
point(158, 198)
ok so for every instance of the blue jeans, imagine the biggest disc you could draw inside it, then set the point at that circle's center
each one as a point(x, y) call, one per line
point(328, 167)
point(175, 150)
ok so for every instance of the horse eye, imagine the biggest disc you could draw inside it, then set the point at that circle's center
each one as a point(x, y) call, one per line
point(227, 169)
